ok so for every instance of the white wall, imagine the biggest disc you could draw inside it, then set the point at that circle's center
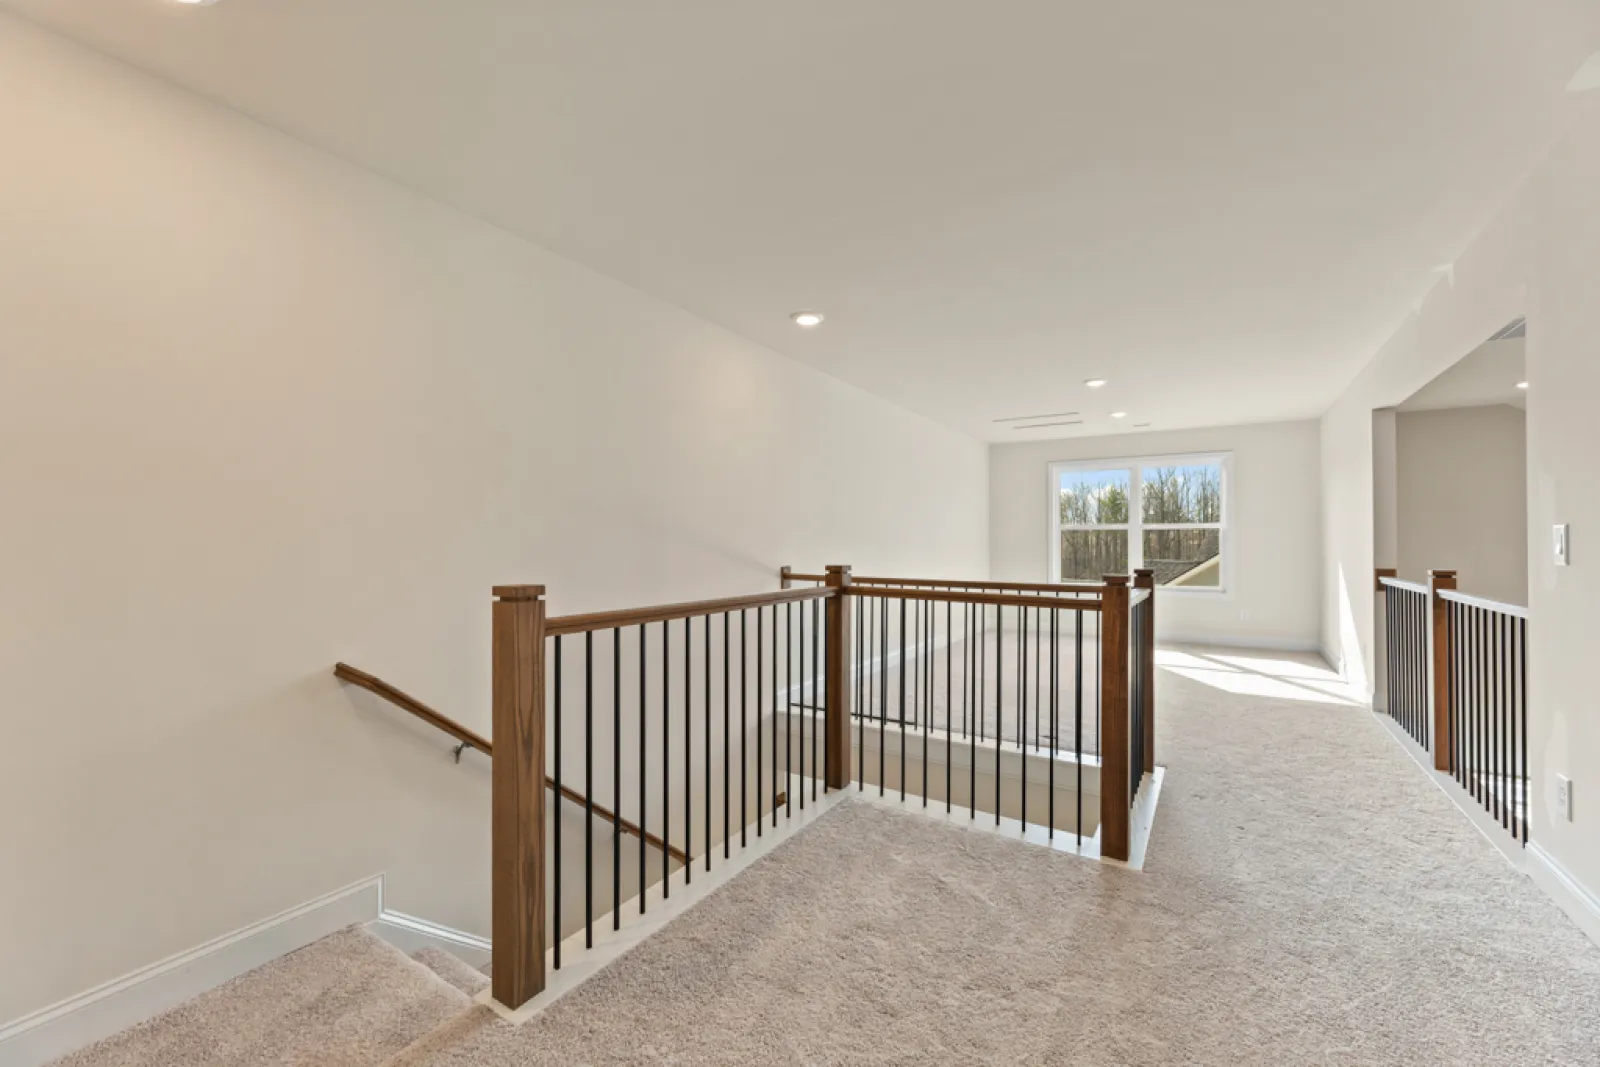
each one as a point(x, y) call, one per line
point(262, 411)
point(1538, 256)
point(1463, 498)
point(1272, 599)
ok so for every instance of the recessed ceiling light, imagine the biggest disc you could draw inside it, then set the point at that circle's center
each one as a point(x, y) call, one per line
point(1119, 414)
point(1522, 385)
point(807, 319)
point(1094, 383)
point(197, 3)
point(1140, 425)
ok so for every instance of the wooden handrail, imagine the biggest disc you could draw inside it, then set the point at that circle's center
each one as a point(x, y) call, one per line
point(610, 620)
point(400, 699)
point(998, 587)
point(407, 702)
point(1053, 603)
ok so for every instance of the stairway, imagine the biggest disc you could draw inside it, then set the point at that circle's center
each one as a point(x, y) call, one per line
point(350, 999)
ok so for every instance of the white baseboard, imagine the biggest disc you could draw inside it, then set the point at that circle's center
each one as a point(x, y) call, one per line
point(1263, 643)
point(1571, 896)
point(410, 935)
point(107, 1009)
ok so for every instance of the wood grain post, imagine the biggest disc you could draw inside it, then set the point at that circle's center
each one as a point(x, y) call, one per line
point(1438, 581)
point(1115, 772)
point(836, 744)
point(1145, 578)
point(518, 810)
point(784, 582)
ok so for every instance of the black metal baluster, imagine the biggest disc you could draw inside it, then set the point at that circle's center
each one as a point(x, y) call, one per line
point(902, 700)
point(1022, 708)
point(1503, 792)
point(744, 725)
point(776, 697)
point(1054, 675)
point(1479, 690)
point(927, 690)
point(816, 692)
point(556, 802)
point(788, 709)
point(1522, 723)
point(861, 691)
point(760, 689)
point(1077, 713)
point(644, 856)
point(999, 701)
point(706, 709)
point(666, 759)
point(688, 751)
point(588, 789)
point(883, 696)
point(978, 697)
point(949, 699)
point(616, 779)
point(727, 729)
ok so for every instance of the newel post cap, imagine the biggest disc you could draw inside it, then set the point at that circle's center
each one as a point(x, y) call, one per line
point(518, 592)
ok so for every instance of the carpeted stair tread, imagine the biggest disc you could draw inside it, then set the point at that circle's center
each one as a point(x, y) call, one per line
point(452, 969)
point(349, 999)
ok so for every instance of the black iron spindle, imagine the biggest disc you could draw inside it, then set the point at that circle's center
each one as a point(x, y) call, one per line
point(688, 752)
point(616, 779)
point(556, 822)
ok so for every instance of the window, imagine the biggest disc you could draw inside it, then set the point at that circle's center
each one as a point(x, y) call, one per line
point(1166, 513)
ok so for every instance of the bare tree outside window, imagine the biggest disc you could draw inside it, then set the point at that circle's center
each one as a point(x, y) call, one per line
point(1165, 516)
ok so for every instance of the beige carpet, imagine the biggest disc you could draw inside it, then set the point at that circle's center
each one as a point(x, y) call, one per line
point(1311, 898)
point(349, 999)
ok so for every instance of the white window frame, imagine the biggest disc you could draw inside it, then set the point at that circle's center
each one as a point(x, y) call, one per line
point(1136, 526)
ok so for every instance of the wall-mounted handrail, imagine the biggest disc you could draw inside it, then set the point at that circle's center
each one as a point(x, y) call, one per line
point(407, 702)
point(611, 620)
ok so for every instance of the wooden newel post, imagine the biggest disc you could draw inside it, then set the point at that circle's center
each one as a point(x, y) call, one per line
point(517, 793)
point(784, 581)
point(1145, 578)
point(1115, 773)
point(836, 747)
point(1442, 741)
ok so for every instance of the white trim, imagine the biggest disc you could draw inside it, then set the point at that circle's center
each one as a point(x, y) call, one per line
point(579, 964)
point(1262, 642)
point(410, 935)
point(1571, 896)
point(114, 1006)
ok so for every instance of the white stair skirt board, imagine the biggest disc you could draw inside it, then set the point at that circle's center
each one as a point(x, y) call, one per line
point(410, 935)
point(107, 1009)
point(1571, 896)
point(578, 964)
point(1141, 820)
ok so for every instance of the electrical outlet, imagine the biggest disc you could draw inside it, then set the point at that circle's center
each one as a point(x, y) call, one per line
point(1563, 798)
point(1562, 543)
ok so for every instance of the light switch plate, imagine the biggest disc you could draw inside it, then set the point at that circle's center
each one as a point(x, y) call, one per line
point(1562, 543)
point(1563, 798)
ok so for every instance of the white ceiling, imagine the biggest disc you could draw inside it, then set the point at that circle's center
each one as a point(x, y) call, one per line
point(1222, 207)
point(1487, 375)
